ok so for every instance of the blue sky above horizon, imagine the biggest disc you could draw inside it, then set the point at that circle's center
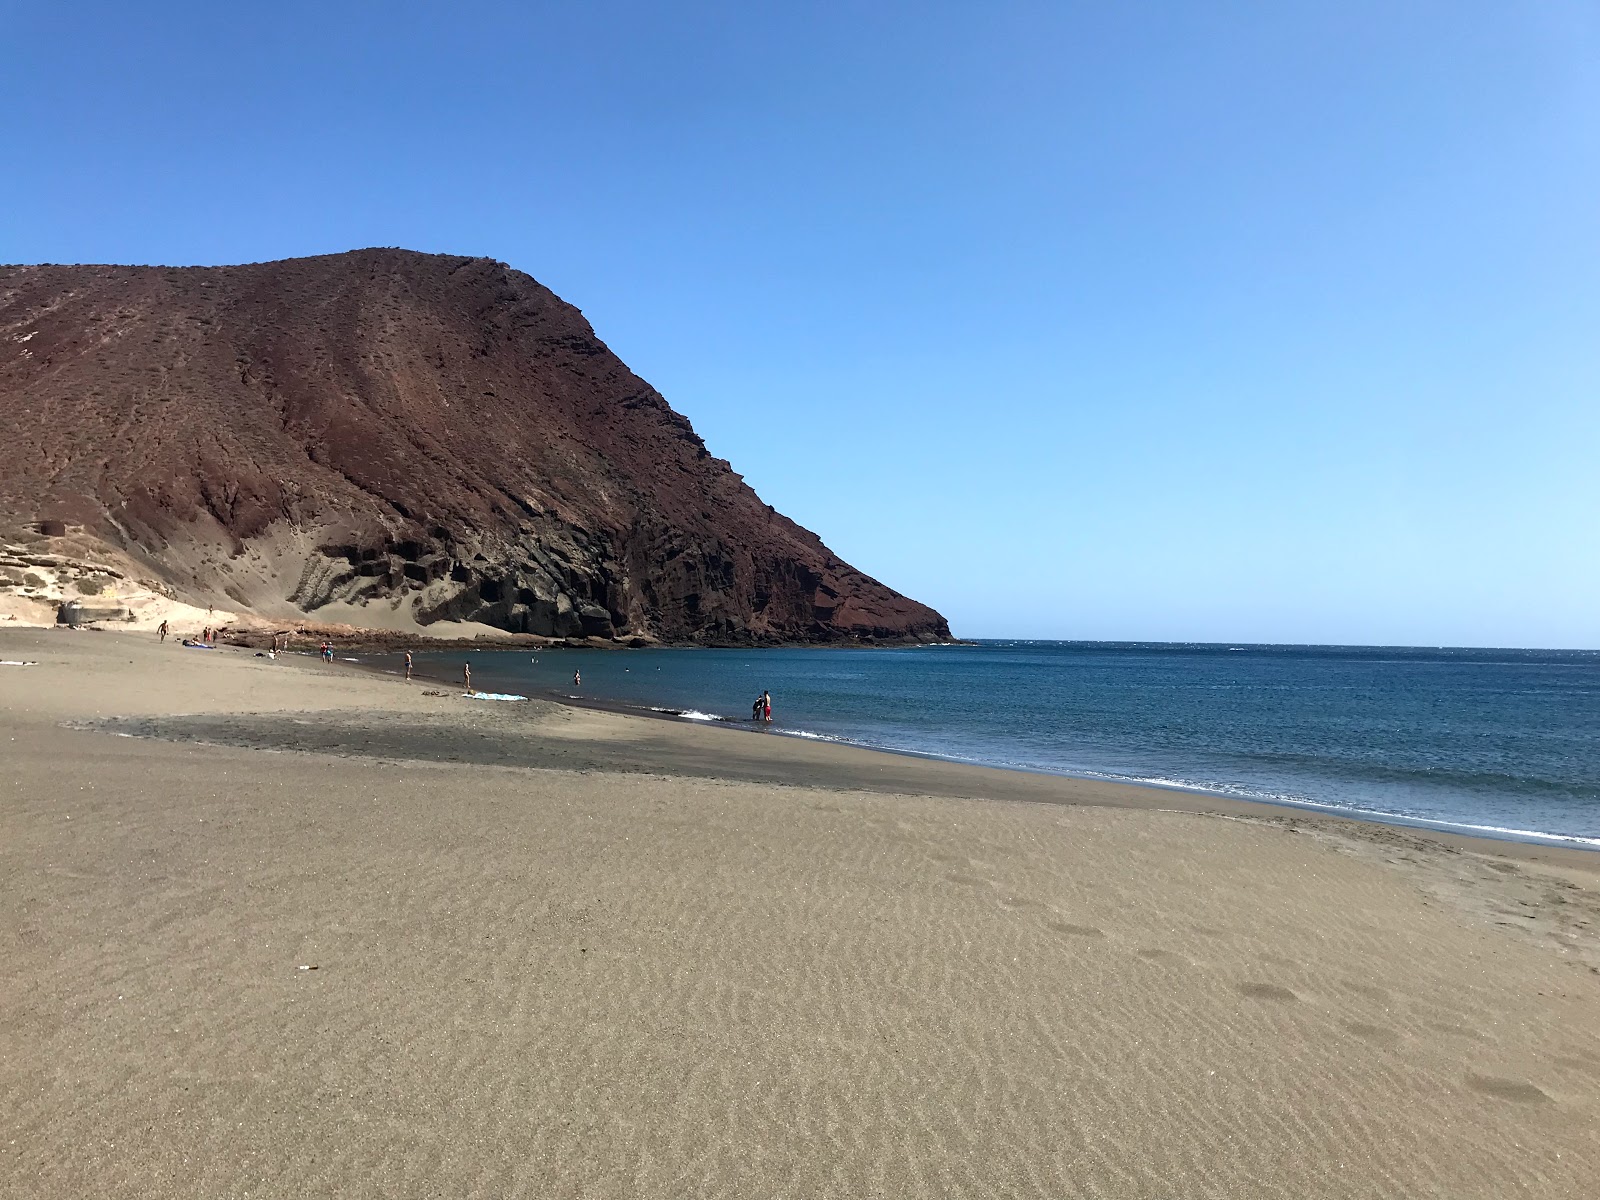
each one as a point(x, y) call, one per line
point(1239, 321)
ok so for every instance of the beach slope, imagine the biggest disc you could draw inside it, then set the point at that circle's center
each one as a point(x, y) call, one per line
point(428, 946)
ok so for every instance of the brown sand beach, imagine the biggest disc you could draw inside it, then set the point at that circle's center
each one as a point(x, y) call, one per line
point(316, 932)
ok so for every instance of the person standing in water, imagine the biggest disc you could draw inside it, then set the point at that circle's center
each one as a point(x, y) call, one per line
point(466, 677)
point(408, 666)
point(766, 707)
point(577, 679)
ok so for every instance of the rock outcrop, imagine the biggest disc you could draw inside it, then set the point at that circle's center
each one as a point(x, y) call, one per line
point(401, 440)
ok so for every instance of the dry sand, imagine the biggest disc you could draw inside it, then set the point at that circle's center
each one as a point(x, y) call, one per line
point(598, 955)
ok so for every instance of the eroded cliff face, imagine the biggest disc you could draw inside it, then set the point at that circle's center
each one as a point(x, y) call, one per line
point(402, 437)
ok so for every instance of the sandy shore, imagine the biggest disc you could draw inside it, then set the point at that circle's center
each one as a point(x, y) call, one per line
point(312, 932)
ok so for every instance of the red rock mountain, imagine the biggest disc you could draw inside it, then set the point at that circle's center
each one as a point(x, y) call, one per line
point(396, 439)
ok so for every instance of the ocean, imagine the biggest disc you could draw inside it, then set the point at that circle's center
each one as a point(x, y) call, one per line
point(1498, 742)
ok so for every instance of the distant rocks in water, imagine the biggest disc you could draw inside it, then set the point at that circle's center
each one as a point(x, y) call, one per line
point(396, 440)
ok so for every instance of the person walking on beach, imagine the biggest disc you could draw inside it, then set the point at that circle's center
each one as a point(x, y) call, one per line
point(408, 666)
point(161, 631)
point(466, 677)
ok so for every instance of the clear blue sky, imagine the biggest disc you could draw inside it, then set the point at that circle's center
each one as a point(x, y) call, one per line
point(1227, 321)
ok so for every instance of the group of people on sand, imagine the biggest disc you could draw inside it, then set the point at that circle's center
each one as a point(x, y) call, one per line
point(206, 637)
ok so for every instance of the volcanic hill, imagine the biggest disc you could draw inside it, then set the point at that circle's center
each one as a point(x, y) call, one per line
point(395, 440)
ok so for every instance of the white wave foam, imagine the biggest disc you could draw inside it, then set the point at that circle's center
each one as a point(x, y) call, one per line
point(1381, 816)
point(494, 696)
point(1563, 838)
point(688, 714)
point(827, 737)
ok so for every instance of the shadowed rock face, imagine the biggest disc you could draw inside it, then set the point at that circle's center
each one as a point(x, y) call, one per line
point(440, 437)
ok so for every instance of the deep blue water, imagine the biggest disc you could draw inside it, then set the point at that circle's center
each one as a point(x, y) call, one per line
point(1490, 740)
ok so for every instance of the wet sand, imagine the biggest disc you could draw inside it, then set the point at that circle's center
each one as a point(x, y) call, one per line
point(560, 952)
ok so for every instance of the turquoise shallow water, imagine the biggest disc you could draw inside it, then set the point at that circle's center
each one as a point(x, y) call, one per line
point(1497, 741)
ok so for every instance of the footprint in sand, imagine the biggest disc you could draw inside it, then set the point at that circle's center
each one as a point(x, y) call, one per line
point(1076, 930)
point(1507, 1089)
point(1267, 991)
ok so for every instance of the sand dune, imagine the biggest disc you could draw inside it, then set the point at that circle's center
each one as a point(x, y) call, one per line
point(882, 977)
